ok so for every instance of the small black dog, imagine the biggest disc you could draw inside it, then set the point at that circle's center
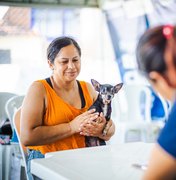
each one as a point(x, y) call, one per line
point(102, 104)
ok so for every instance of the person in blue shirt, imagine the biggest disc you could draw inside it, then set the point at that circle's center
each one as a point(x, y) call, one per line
point(156, 58)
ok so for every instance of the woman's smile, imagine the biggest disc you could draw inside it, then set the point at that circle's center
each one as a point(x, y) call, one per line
point(71, 73)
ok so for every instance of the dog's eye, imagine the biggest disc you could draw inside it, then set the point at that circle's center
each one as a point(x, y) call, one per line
point(112, 91)
point(102, 93)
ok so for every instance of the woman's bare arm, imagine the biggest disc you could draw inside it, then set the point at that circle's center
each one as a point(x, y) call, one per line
point(162, 166)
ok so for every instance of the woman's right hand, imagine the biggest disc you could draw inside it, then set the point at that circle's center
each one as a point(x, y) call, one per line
point(89, 115)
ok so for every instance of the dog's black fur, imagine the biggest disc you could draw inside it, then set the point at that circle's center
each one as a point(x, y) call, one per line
point(102, 104)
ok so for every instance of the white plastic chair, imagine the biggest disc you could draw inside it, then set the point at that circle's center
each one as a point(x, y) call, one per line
point(4, 97)
point(12, 105)
point(132, 108)
point(16, 122)
point(135, 123)
point(136, 102)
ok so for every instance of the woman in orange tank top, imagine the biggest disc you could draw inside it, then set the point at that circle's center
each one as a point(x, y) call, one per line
point(55, 114)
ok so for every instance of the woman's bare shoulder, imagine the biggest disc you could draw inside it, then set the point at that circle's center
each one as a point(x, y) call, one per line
point(92, 91)
point(36, 88)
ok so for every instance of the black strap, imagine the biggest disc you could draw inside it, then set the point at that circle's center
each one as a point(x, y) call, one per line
point(83, 103)
point(49, 82)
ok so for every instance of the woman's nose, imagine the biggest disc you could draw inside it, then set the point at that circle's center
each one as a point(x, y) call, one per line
point(71, 65)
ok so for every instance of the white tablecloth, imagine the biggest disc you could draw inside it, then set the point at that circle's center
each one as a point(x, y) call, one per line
point(112, 162)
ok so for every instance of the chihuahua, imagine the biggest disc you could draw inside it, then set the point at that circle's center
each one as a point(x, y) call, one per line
point(102, 104)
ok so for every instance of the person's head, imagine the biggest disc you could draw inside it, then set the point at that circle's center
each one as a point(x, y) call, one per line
point(57, 44)
point(156, 58)
point(64, 57)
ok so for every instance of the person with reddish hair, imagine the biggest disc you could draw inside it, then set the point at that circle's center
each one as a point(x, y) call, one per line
point(156, 58)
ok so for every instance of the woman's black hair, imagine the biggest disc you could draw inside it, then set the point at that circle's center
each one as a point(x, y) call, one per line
point(57, 44)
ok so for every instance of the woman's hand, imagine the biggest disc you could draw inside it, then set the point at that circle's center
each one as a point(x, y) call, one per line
point(97, 127)
point(93, 127)
point(76, 123)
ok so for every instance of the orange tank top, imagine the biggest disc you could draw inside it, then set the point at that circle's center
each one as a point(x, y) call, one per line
point(57, 112)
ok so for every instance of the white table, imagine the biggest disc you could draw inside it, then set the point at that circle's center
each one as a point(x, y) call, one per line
point(113, 162)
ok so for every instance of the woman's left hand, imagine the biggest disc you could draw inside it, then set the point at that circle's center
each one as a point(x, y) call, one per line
point(93, 127)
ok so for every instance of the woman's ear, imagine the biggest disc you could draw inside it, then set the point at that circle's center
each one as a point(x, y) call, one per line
point(51, 65)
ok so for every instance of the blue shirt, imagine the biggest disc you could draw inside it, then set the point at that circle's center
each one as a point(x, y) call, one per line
point(167, 137)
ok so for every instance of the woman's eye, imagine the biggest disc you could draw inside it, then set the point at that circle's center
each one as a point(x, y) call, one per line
point(64, 62)
point(75, 60)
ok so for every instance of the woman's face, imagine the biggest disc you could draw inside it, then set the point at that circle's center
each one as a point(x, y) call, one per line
point(169, 60)
point(161, 86)
point(67, 64)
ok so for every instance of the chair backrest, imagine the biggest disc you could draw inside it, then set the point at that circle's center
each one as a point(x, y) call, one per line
point(12, 105)
point(136, 102)
point(16, 122)
point(4, 97)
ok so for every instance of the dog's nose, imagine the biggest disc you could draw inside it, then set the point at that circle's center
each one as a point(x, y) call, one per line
point(109, 97)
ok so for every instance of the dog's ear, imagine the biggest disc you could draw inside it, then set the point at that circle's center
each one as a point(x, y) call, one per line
point(96, 85)
point(117, 87)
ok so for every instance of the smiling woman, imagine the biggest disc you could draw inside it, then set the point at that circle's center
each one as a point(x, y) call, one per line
point(55, 109)
point(68, 60)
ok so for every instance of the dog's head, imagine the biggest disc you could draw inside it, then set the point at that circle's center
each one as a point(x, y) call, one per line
point(106, 91)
